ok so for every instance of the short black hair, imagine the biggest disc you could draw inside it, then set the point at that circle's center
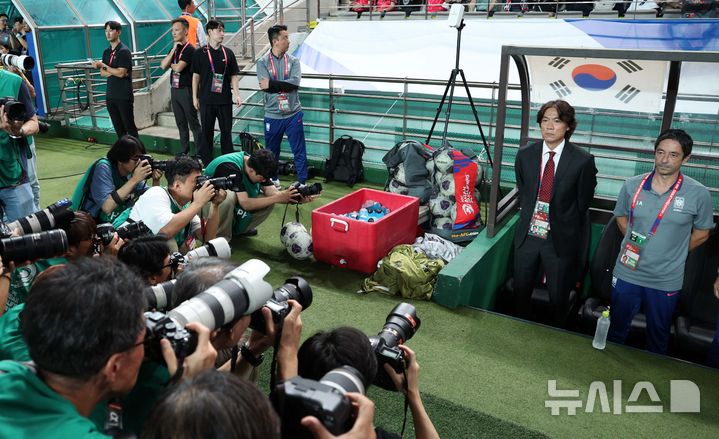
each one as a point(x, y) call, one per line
point(145, 255)
point(183, 4)
point(82, 228)
point(344, 346)
point(681, 136)
point(214, 24)
point(213, 404)
point(566, 115)
point(180, 168)
point(124, 149)
point(114, 25)
point(18, 19)
point(76, 317)
point(183, 22)
point(263, 162)
point(273, 32)
point(2, 14)
point(198, 276)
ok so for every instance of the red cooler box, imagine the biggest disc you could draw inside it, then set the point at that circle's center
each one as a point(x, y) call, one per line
point(358, 245)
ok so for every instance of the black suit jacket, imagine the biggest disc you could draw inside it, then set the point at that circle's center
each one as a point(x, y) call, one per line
point(572, 193)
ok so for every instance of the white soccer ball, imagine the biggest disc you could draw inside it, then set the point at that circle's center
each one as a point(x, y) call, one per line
point(399, 175)
point(443, 162)
point(440, 206)
point(446, 185)
point(429, 165)
point(299, 244)
point(398, 188)
point(288, 229)
point(442, 223)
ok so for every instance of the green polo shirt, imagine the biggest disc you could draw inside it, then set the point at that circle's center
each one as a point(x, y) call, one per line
point(661, 264)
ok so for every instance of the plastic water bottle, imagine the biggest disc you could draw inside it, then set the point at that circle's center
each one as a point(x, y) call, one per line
point(600, 335)
point(363, 215)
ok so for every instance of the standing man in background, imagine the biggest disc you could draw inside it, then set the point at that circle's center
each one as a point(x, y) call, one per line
point(196, 33)
point(116, 66)
point(214, 71)
point(180, 61)
point(279, 76)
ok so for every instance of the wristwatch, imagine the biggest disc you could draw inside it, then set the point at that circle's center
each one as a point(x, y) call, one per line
point(250, 357)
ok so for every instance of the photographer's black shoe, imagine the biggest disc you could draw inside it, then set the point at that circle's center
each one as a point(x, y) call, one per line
point(248, 233)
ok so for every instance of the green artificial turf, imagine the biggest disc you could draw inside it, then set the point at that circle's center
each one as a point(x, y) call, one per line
point(482, 374)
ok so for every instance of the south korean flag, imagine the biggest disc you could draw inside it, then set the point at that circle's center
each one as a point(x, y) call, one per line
point(618, 84)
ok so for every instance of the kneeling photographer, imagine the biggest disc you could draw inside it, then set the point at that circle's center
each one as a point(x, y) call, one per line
point(253, 196)
point(18, 120)
point(111, 185)
point(174, 210)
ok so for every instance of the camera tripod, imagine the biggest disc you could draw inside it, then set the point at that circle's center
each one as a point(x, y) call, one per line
point(449, 89)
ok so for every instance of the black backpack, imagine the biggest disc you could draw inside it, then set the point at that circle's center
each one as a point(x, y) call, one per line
point(249, 143)
point(345, 162)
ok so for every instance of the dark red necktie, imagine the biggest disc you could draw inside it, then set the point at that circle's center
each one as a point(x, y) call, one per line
point(545, 190)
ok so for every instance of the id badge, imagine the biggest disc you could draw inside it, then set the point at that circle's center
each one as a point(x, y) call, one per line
point(539, 225)
point(632, 251)
point(217, 80)
point(175, 80)
point(283, 103)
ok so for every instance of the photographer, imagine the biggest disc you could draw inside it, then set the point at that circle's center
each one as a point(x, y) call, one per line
point(16, 194)
point(233, 407)
point(111, 185)
point(81, 358)
point(174, 210)
point(325, 351)
point(149, 257)
point(255, 197)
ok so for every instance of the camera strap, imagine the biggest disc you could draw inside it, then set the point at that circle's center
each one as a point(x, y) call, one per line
point(234, 355)
point(273, 365)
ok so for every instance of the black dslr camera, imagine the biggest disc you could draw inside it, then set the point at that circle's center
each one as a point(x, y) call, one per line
point(161, 326)
point(14, 110)
point(307, 190)
point(155, 164)
point(230, 182)
point(106, 231)
point(401, 324)
point(294, 288)
point(324, 399)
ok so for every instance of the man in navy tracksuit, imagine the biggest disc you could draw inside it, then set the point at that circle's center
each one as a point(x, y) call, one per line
point(279, 76)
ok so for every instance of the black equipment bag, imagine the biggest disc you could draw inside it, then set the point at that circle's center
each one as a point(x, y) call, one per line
point(345, 162)
point(249, 143)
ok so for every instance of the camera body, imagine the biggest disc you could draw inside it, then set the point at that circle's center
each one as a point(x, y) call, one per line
point(105, 232)
point(307, 190)
point(14, 110)
point(401, 324)
point(231, 182)
point(155, 164)
point(161, 326)
point(325, 399)
point(294, 288)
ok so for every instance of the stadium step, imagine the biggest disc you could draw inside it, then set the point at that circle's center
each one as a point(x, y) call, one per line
point(166, 119)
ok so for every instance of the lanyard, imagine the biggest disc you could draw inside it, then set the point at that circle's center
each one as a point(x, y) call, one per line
point(178, 57)
point(664, 208)
point(112, 55)
point(274, 72)
point(212, 64)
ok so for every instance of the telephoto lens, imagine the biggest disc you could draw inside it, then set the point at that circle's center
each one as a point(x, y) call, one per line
point(22, 62)
point(295, 288)
point(159, 296)
point(241, 292)
point(33, 246)
point(218, 247)
point(230, 182)
point(401, 324)
point(325, 399)
point(55, 216)
point(307, 190)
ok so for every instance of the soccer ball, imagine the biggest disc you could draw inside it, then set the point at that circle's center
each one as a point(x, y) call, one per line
point(299, 244)
point(444, 162)
point(429, 165)
point(399, 174)
point(288, 229)
point(442, 223)
point(398, 188)
point(440, 206)
point(446, 185)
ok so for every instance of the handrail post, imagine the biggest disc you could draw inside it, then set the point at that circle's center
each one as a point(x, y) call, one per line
point(404, 110)
point(252, 38)
point(147, 72)
point(63, 96)
point(243, 28)
point(91, 97)
point(274, 4)
point(282, 11)
point(331, 130)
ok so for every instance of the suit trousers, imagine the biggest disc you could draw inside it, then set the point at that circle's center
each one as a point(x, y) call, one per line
point(185, 117)
point(208, 115)
point(533, 258)
point(122, 115)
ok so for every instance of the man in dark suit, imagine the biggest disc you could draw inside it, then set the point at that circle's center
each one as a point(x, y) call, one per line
point(556, 181)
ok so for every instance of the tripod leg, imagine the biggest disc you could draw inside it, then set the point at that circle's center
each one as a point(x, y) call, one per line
point(450, 82)
point(453, 80)
point(476, 118)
